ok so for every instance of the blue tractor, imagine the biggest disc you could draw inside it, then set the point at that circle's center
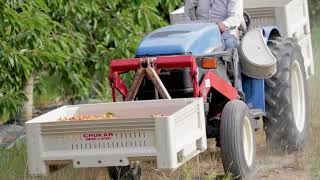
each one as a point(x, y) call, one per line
point(263, 79)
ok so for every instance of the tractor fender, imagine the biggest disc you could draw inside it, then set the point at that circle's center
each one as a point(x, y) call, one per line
point(256, 59)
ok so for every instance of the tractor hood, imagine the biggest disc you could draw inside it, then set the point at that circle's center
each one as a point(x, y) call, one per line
point(195, 38)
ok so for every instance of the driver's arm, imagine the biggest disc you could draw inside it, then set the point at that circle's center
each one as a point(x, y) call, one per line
point(235, 14)
point(190, 9)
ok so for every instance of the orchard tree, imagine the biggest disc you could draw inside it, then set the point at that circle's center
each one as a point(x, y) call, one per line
point(103, 30)
point(29, 45)
point(71, 40)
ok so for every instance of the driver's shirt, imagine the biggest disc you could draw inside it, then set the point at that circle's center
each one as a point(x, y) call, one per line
point(230, 12)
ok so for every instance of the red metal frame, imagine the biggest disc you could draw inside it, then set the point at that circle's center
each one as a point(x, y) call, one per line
point(210, 80)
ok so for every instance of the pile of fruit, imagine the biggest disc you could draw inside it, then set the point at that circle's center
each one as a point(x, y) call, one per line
point(107, 115)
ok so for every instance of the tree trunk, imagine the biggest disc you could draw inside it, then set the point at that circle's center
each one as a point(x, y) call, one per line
point(26, 113)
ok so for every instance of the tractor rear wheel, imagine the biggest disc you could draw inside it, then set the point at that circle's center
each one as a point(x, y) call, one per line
point(286, 122)
point(237, 138)
point(124, 173)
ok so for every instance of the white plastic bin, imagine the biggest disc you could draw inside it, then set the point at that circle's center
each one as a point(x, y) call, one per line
point(134, 135)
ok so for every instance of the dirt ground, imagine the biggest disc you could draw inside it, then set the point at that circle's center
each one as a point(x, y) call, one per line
point(270, 166)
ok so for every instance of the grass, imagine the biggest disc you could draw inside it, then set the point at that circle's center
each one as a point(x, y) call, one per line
point(13, 162)
point(13, 166)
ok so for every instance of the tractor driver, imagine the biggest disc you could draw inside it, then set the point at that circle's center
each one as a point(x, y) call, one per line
point(228, 14)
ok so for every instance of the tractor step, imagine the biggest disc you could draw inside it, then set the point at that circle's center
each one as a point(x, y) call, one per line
point(257, 114)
